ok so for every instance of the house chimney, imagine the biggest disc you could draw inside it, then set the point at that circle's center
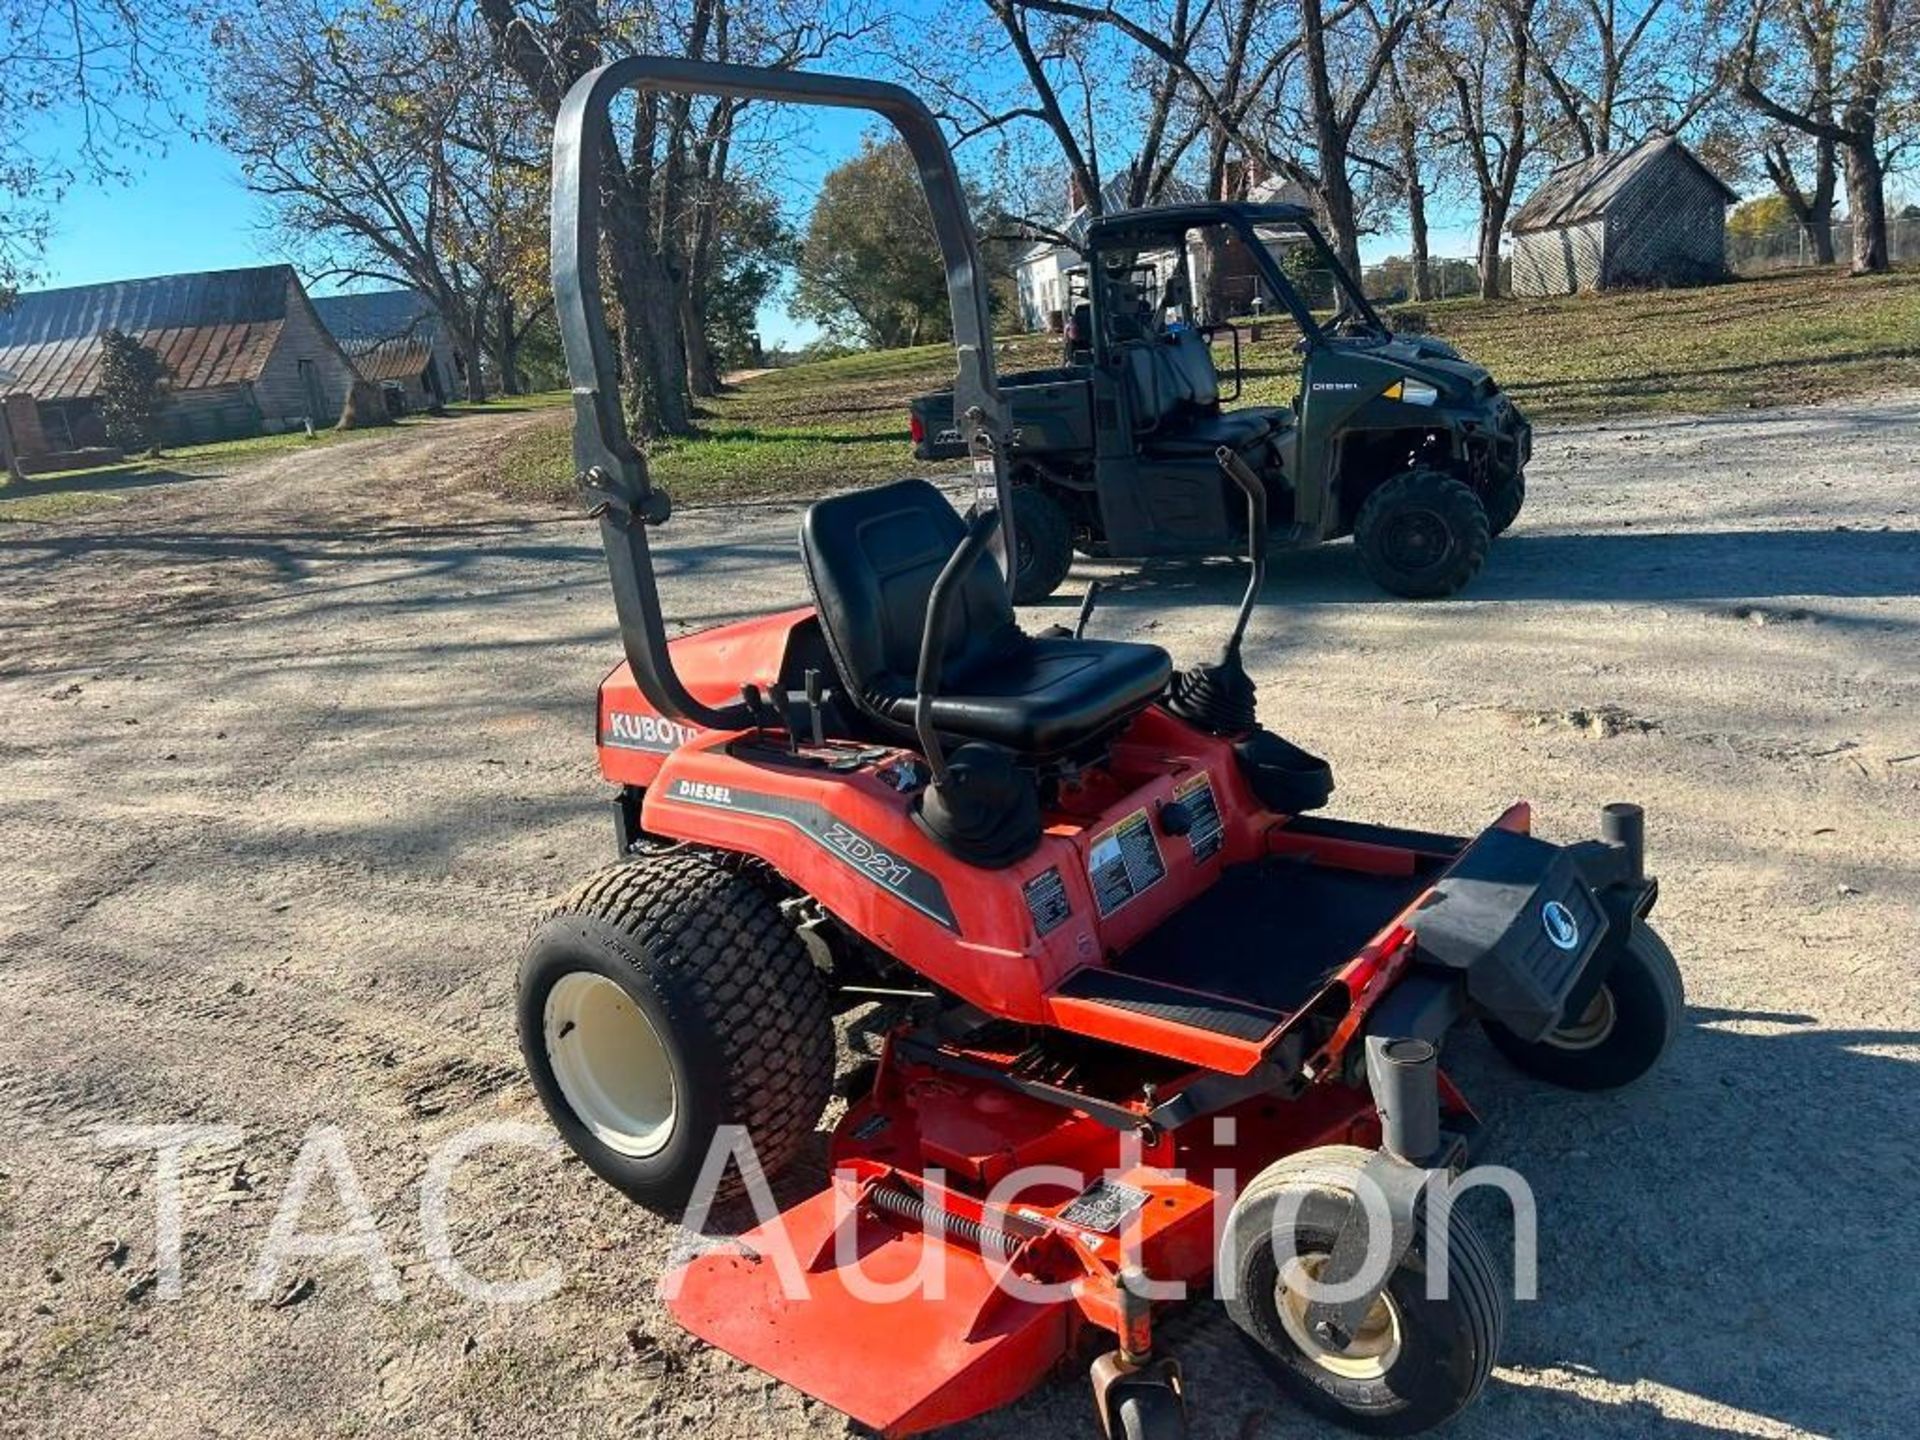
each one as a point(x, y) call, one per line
point(1233, 183)
point(1076, 192)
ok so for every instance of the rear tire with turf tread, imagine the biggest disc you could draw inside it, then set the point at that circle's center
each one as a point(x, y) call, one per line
point(1503, 500)
point(1423, 535)
point(1641, 1003)
point(701, 950)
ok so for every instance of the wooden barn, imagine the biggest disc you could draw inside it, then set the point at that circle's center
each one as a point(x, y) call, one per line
point(398, 340)
point(244, 351)
point(1652, 215)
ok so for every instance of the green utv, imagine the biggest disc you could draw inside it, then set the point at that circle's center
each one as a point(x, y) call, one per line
point(1122, 451)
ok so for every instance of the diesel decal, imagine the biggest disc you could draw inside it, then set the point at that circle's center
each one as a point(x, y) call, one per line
point(905, 881)
point(653, 733)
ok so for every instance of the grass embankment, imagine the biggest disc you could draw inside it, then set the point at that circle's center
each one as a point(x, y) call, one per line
point(1784, 340)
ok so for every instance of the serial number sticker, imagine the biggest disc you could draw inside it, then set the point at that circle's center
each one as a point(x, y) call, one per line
point(1208, 832)
point(1124, 860)
point(1047, 901)
point(1104, 1206)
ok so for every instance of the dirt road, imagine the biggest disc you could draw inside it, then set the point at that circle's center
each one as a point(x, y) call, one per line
point(291, 756)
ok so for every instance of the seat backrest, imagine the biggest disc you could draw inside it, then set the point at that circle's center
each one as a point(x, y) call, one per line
point(1189, 354)
point(872, 557)
point(1151, 382)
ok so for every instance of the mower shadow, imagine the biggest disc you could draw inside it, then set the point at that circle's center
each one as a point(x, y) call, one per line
point(1650, 566)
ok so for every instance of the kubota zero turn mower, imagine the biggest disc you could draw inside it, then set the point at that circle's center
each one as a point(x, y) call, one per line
point(1161, 1026)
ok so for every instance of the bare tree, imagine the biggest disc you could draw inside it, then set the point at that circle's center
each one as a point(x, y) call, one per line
point(648, 195)
point(1869, 46)
point(109, 78)
point(1485, 48)
point(383, 154)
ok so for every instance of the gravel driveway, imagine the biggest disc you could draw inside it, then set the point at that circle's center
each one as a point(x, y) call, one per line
point(291, 756)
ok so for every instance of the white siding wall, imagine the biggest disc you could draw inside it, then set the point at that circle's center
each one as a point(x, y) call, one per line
point(282, 391)
point(1559, 262)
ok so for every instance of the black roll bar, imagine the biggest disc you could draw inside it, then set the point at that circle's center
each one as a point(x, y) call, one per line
point(611, 471)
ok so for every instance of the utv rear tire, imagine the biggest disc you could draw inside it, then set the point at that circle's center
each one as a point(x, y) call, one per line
point(1632, 1021)
point(689, 1004)
point(1422, 535)
point(1043, 537)
point(1502, 501)
point(1415, 1362)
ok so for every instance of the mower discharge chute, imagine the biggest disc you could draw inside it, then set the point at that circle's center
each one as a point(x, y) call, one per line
point(1155, 1024)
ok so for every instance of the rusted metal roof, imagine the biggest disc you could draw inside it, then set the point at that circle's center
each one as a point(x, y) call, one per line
point(379, 360)
point(388, 334)
point(210, 329)
point(1583, 190)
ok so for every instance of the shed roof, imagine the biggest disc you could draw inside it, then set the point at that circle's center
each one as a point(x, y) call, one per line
point(377, 315)
point(379, 360)
point(387, 334)
point(1585, 189)
point(212, 328)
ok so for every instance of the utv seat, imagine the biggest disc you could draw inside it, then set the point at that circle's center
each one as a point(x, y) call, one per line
point(1176, 399)
point(872, 557)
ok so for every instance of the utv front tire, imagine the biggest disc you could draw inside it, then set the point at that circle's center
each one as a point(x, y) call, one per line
point(1422, 535)
point(664, 998)
point(1043, 541)
point(1623, 1033)
point(1502, 501)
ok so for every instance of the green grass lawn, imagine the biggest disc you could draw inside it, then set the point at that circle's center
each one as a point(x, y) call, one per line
point(1784, 340)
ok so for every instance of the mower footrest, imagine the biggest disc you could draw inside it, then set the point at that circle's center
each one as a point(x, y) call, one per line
point(948, 1345)
point(1216, 1031)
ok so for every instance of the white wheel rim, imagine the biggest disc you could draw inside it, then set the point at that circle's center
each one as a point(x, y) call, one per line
point(610, 1063)
point(1594, 1025)
point(1376, 1344)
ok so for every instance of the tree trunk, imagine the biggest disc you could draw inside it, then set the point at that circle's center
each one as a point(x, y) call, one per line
point(1867, 204)
point(700, 377)
point(650, 330)
point(1417, 240)
point(1493, 219)
point(1336, 186)
point(506, 350)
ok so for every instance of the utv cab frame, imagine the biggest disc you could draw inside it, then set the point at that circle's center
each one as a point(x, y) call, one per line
point(1392, 439)
point(1149, 1023)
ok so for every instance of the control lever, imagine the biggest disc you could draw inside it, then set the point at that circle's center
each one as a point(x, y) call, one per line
point(1086, 610)
point(813, 708)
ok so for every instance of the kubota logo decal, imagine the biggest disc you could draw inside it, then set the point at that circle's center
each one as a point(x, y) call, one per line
point(646, 732)
point(1561, 926)
point(867, 855)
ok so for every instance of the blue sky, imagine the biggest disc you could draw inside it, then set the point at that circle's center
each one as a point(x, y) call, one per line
point(189, 209)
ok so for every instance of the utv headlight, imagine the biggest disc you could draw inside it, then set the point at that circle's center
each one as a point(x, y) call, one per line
point(1413, 392)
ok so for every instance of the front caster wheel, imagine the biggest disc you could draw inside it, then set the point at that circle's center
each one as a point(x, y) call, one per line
point(663, 999)
point(1149, 1412)
point(1631, 1021)
point(1413, 1361)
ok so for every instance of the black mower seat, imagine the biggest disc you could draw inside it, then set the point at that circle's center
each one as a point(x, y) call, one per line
point(872, 557)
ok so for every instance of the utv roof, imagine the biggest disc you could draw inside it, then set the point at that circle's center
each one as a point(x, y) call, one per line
point(1186, 217)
